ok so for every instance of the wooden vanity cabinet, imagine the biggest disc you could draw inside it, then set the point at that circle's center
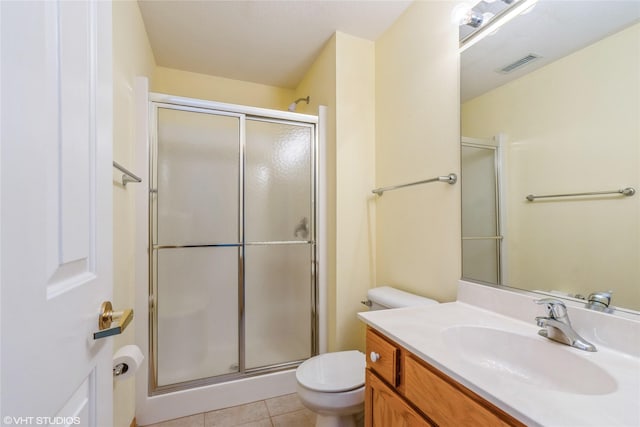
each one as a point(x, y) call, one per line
point(384, 408)
point(402, 390)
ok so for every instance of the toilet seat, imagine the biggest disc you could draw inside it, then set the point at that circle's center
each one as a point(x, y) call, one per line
point(333, 372)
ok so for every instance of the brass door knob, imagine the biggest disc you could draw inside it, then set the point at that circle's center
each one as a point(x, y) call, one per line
point(106, 318)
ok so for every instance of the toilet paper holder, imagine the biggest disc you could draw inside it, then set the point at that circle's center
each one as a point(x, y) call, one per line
point(126, 362)
point(120, 369)
point(107, 317)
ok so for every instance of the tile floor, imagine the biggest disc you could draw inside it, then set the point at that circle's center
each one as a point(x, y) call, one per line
point(282, 411)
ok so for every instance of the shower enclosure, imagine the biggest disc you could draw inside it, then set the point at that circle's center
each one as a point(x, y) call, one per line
point(233, 249)
point(481, 227)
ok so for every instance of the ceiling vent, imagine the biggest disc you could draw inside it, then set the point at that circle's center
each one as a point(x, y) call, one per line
point(518, 64)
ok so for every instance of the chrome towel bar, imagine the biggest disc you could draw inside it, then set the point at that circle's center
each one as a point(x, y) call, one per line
point(127, 176)
point(629, 191)
point(452, 178)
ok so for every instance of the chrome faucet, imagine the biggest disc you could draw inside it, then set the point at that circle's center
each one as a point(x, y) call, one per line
point(557, 325)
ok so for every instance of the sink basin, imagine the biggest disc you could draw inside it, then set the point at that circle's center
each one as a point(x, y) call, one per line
point(531, 360)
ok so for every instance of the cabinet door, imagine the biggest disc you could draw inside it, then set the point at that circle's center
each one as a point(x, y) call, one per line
point(446, 402)
point(385, 361)
point(384, 408)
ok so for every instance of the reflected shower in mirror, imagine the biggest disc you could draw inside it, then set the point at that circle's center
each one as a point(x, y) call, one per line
point(563, 122)
point(481, 228)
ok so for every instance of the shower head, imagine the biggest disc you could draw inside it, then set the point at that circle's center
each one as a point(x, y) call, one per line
point(292, 106)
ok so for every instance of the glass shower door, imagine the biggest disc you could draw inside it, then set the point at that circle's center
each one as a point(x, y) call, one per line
point(233, 287)
point(278, 242)
point(196, 244)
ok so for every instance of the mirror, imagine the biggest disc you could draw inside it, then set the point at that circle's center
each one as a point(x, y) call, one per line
point(550, 105)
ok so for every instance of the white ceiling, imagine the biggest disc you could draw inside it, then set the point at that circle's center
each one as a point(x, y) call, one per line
point(261, 41)
point(275, 42)
point(553, 29)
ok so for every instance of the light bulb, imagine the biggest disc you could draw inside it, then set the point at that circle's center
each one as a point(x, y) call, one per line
point(460, 13)
point(475, 19)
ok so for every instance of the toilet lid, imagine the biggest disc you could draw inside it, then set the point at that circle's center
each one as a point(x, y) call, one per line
point(333, 372)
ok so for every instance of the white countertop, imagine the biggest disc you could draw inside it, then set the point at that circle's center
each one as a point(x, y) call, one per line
point(420, 330)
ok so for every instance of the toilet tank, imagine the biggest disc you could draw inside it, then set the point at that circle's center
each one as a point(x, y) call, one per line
point(385, 297)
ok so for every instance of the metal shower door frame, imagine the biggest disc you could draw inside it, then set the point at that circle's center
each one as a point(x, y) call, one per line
point(243, 113)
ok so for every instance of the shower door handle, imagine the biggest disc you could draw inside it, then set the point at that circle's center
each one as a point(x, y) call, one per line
point(302, 228)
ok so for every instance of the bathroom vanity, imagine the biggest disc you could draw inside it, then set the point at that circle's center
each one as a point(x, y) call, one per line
point(463, 364)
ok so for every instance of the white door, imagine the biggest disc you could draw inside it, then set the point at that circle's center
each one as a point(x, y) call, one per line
point(56, 180)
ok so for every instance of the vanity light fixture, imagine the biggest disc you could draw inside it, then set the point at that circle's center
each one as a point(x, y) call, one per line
point(516, 8)
point(463, 14)
point(466, 14)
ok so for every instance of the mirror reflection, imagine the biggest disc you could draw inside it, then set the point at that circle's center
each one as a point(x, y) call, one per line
point(551, 106)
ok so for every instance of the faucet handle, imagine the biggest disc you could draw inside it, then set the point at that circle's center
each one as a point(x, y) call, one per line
point(602, 297)
point(555, 308)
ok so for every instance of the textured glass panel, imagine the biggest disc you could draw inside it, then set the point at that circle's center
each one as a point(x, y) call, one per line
point(478, 192)
point(277, 182)
point(278, 300)
point(197, 305)
point(197, 178)
point(479, 257)
point(480, 260)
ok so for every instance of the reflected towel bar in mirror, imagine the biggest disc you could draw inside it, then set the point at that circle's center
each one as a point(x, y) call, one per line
point(629, 191)
point(452, 178)
point(484, 238)
point(126, 175)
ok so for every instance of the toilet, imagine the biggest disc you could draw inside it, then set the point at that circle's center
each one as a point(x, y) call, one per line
point(332, 384)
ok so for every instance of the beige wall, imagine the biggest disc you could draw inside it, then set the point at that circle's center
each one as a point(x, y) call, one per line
point(417, 137)
point(571, 126)
point(342, 78)
point(319, 83)
point(213, 88)
point(355, 177)
point(132, 57)
point(406, 86)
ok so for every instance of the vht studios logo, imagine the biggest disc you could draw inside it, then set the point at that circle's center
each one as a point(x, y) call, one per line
point(8, 420)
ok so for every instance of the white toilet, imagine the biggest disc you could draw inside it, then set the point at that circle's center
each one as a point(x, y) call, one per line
point(332, 384)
